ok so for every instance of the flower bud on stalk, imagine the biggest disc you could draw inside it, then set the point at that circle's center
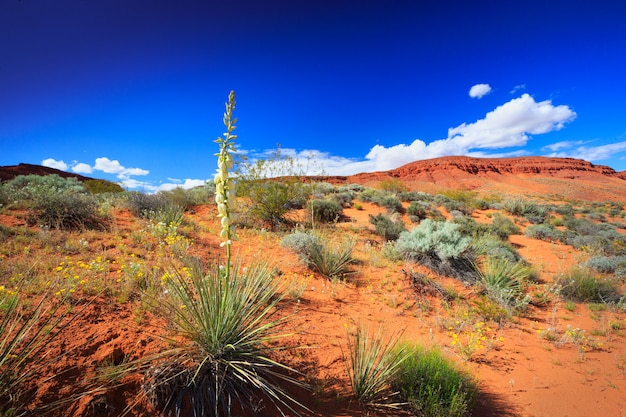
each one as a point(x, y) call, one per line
point(224, 194)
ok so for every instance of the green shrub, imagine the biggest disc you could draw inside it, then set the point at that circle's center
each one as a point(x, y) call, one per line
point(545, 232)
point(391, 203)
point(439, 246)
point(271, 188)
point(186, 198)
point(467, 225)
point(102, 186)
point(503, 227)
point(141, 204)
point(325, 211)
point(169, 215)
point(372, 364)
point(418, 209)
point(415, 196)
point(31, 187)
point(440, 239)
point(432, 386)
point(387, 228)
point(489, 245)
point(393, 185)
point(580, 285)
point(68, 210)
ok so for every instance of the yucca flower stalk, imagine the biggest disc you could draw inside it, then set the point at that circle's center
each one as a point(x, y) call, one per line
point(224, 188)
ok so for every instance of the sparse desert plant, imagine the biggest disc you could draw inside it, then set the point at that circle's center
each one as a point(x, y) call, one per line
point(326, 210)
point(68, 210)
point(581, 285)
point(26, 332)
point(503, 227)
point(607, 264)
point(141, 204)
point(271, 188)
point(329, 258)
point(393, 185)
point(533, 212)
point(489, 245)
point(187, 198)
point(169, 215)
point(386, 228)
point(372, 363)
point(418, 210)
point(432, 386)
point(544, 231)
point(440, 246)
point(503, 280)
point(391, 203)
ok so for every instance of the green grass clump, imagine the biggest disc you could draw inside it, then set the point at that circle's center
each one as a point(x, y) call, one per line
point(432, 386)
point(372, 364)
point(581, 285)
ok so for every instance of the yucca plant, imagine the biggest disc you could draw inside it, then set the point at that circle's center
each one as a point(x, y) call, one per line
point(220, 359)
point(372, 364)
point(503, 280)
point(223, 320)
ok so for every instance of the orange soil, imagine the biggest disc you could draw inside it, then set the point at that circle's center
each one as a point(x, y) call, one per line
point(523, 375)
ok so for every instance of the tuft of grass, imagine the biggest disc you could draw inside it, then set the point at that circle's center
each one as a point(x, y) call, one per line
point(503, 281)
point(330, 259)
point(431, 385)
point(26, 331)
point(581, 285)
point(372, 364)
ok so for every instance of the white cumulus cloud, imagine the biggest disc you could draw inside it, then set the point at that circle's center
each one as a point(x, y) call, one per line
point(507, 126)
point(479, 90)
point(588, 153)
point(114, 167)
point(82, 168)
point(52, 163)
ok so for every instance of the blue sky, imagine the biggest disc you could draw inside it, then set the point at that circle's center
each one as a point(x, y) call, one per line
point(134, 90)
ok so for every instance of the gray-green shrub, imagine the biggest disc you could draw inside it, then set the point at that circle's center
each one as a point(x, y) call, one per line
point(545, 232)
point(433, 238)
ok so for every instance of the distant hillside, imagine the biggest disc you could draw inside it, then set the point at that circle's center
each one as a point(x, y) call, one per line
point(95, 185)
point(564, 178)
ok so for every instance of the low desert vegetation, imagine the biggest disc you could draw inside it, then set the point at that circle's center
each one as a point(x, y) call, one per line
point(224, 343)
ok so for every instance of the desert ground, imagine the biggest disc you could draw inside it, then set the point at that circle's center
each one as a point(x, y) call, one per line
point(556, 358)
